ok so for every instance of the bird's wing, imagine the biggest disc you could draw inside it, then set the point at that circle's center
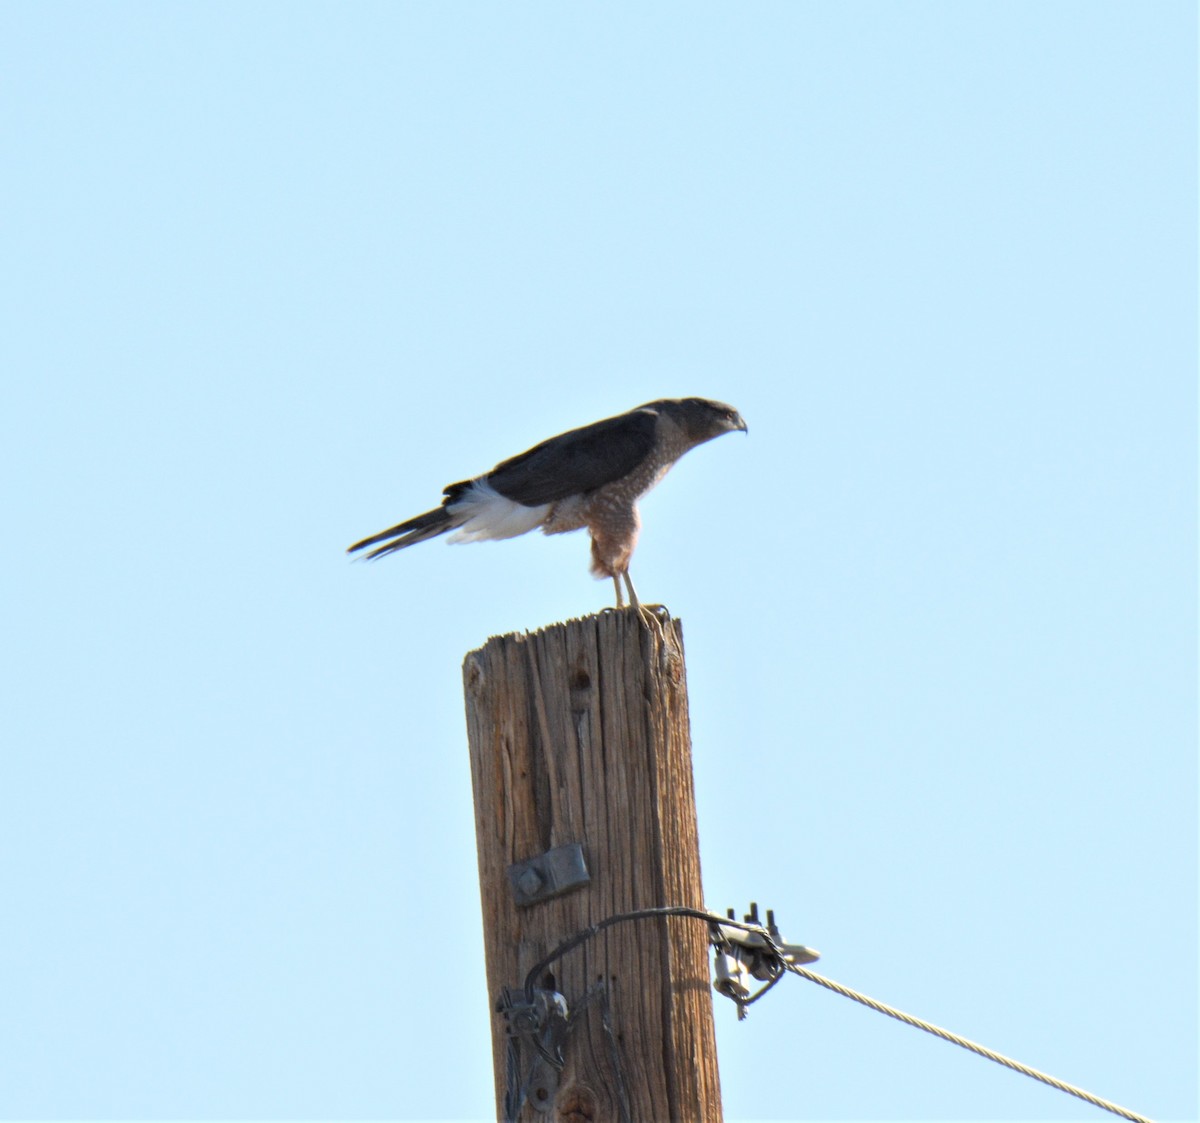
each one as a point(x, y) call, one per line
point(575, 462)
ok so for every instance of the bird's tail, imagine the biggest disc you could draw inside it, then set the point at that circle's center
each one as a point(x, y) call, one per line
point(408, 533)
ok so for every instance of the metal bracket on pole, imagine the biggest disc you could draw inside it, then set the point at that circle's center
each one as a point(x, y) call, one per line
point(547, 875)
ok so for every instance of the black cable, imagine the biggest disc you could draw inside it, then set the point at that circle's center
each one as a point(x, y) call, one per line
point(586, 934)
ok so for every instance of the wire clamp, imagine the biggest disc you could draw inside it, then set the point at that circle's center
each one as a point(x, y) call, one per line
point(537, 1028)
point(740, 955)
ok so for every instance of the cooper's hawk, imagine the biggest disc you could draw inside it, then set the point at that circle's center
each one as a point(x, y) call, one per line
point(591, 477)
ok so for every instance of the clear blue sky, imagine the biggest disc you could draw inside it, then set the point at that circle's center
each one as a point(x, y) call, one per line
point(276, 273)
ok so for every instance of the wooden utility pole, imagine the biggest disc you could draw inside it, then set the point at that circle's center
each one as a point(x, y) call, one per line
point(579, 734)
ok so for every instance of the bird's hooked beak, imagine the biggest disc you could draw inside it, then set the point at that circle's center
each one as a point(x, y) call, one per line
point(740, 425)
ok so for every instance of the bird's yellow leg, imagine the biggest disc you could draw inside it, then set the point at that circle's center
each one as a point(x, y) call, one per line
point(633, 597)
point(645, 611)
point(617, 585)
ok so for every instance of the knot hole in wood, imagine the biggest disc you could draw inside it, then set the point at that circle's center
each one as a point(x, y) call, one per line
point(576, 1104)
point(580, 684)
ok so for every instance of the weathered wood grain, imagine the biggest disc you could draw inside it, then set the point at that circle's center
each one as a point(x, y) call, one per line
point(579, 733)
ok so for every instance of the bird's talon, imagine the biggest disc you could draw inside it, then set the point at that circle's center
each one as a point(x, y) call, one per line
point(654, 620)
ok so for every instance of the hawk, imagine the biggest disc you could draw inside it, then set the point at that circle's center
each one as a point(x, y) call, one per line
point(591, 477)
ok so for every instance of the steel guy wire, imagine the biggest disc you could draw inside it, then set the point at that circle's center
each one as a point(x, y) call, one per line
point(716, 922)
point(966, 1043)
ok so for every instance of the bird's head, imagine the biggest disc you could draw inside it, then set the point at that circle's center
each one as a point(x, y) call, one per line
point(700, 418)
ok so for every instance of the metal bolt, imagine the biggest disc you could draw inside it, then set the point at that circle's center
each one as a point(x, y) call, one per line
point(529, 882)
